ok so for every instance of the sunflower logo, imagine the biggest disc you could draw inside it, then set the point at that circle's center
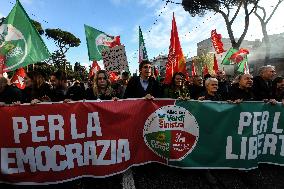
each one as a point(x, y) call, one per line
point(161, 138)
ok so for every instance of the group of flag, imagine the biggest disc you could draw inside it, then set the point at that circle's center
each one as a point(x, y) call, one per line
point(21, 45)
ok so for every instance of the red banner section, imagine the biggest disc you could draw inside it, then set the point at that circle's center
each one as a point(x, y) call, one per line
point(51, 143)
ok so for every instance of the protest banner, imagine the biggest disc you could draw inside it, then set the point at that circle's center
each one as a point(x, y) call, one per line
point(53, 143)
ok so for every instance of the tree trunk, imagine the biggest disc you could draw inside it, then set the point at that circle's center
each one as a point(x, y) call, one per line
point(267, 43)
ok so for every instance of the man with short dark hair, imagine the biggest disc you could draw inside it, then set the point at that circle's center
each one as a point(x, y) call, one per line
point(197, 88)
point(59, 83)
point(143, 85)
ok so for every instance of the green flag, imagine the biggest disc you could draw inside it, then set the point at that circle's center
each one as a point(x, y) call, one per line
point(226, 60)
point(20, 42)
point(142, 48)
point(243, 66)
point(98, 41)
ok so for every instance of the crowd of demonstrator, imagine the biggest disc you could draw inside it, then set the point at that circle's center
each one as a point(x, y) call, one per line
point(244, 87)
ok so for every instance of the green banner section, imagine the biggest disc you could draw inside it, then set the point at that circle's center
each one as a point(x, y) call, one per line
point(234, 136)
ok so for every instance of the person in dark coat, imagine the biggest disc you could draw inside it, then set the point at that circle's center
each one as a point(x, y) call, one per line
point(242, 89)
point(177, 89)
point(9, 93)
point(58, 81)
point(278, 88)
point(211, 93)
point(262, 84)
point(36, 88)
point(140, 86)
point(197, 88)
point(223, 84)
point(76, 92)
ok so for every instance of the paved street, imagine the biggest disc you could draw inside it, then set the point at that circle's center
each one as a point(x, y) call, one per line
point(154, 176)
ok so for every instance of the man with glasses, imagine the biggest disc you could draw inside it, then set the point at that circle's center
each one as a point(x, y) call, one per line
point(144, 85)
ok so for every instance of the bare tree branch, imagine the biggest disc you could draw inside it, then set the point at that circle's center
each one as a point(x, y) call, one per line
point(263, 10)
point(254, 7)
point(236, 13)
point(259, 17)
point(246, 23)
point(275, 8)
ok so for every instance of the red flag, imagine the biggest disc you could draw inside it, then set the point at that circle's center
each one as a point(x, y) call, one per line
point(95, 67)
point(2, 64)
point(113, 77)
point(156, 72)
point(215, 66)
point(186, 76)
point(115, 42)
point(193, 72)
point(216, 41)
point(205, 70)
point(18, 78)
point(176, 60)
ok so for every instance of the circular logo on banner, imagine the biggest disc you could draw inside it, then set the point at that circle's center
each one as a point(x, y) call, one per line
point(13, 46)
point(171, 132)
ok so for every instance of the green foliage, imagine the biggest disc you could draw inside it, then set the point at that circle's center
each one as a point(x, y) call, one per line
point(63, 39)
point(199, 7)
point(59, 60)
point(202, 60)
point(225, 8)
point(80, 72)
point(38, 27)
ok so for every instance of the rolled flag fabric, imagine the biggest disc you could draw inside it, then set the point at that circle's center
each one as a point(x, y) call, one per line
point(142, 48)
point(217, 42)
point(215, 66)
point(193, 70)
point(176, 60)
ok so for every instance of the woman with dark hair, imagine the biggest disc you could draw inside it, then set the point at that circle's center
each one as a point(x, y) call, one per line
point(36, 88)
point(177, 89)
point(101, 88)
point(278, 88)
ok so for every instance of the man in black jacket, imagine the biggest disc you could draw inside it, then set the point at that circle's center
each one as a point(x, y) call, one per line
point(242, 89)
point(9, 94)
point(262, 84)
point(143, 85)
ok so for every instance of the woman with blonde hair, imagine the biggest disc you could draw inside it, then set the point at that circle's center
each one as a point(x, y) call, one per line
point(101, 88)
